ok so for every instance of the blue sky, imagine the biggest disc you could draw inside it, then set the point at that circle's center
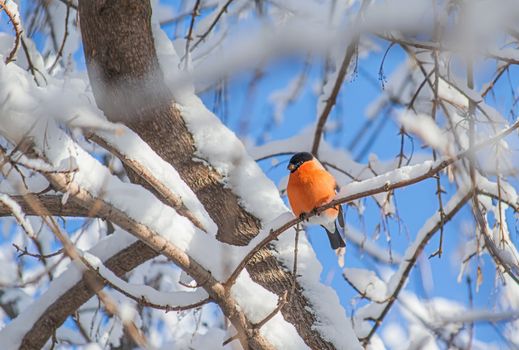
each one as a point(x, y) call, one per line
point(415, 204)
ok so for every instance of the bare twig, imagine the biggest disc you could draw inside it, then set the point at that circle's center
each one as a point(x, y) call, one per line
point(184, 15)
point(213, 24)
point(351, 50)
point(65, 35)
point(471, 305)
point(24, 252)
point(15, 20)
point(131, 328)
point(431, 46)
point(69, 3)
point(273, 234)
point(330, 102)
point(32, 68)
point(282, 301)
point(490, 86)
point(409, 263)
point(189, 36)
point(436, 71)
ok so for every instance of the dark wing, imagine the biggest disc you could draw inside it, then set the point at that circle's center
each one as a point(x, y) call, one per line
point(340, 217)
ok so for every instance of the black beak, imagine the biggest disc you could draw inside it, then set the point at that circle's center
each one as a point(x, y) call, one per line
point(291, 167)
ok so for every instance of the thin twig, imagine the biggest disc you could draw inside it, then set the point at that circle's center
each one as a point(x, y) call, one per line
point(471, 305)
point(32, 68)
point(213, 24)
point(65, 35)
point(131, 328)
point(436, 71)
point(429, 45)
point(330, 102)
point(24, 252)
point(490, 86)
point(182, 16)
point(69, 3)
point(273, 234)
point(189, 36)
point(351, 50)
point(15, 20)
point(411, 262)
point(282, 301)
point(140, 299)
point(493, 250)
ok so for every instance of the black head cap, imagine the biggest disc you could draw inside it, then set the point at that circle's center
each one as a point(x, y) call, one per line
point(298, 159)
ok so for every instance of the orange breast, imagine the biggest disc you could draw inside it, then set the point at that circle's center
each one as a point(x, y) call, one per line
point(310, 186)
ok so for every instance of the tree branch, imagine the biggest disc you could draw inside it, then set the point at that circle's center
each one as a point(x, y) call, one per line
point(53, 203)
point(160, 244)
point(409, 261)
point(330, 102)
point(377, 186)
point(15, 20)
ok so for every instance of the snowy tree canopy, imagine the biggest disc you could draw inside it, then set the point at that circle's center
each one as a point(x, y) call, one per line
point(143, 147)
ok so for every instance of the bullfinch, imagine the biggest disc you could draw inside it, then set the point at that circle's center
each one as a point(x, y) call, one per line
point(311, 186)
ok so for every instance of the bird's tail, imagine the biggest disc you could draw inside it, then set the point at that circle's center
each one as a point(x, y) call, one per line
point(335, 238)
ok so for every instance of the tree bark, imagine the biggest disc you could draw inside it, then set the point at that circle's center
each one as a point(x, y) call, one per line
point(53, 203)
point(128, 86)
point(80, 293)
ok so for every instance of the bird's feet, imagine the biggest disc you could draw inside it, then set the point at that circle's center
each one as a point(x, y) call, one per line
point(314, 212)
point(304, 216)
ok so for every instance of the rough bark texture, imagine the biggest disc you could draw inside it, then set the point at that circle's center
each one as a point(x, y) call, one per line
point(128, 86)
point(53, 203)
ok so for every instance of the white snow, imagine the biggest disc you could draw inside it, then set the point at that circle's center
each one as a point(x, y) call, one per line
point(131, 146)
point(222, 149)
point(12, 334)
point(367, 283)
point(64, 100)
point(18, 213)
point(369, 247)
point(427, 129)
point(144, 292)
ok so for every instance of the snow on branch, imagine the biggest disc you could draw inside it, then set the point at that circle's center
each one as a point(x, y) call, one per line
point(366, 283)
point(173, 221)
point(223, 151)
point(391, 180)
point(91, 186)
point(371, 248)
point(11, 9)
point(13, 333)
point(138, 156)
point(377, 311)
point(505, 257)
point(146, 295)
point(16, 210)
point(161, 244)
point(447, 321)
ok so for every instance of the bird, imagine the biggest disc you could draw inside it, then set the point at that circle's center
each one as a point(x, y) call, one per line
point(310, 186)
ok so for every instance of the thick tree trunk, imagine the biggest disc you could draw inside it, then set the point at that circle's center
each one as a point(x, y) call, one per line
point(128, 86)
